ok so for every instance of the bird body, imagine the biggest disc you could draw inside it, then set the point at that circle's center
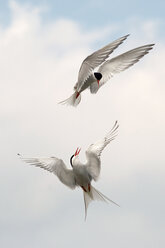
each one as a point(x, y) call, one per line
point(97, 68)
point(80, 175)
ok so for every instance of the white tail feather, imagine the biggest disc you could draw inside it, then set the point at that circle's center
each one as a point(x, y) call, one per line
point(95, 195)
point(73, 100)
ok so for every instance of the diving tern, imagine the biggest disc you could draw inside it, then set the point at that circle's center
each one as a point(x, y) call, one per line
point(81, 175)
point(97, 69)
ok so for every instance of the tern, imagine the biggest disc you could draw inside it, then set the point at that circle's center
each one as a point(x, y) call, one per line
point(81, 175)
point(97, 69)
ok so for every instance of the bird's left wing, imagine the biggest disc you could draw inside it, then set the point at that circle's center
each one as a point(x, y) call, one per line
point(94, 151)
point(55, 166)
point(122, 62)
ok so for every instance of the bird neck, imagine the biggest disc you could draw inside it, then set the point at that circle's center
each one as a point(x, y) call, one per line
point(75, 161)
point(71, 160)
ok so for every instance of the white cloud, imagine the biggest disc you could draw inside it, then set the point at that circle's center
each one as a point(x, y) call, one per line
point(39, 64)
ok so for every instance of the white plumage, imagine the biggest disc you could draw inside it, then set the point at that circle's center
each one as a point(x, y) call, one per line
point(89, 77)
point(80, 175)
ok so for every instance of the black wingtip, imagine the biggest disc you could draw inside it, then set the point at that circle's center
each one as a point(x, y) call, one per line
point(151, 45)
point(116, 123)
point(126, 36)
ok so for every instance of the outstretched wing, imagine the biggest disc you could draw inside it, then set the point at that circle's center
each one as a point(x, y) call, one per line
point(122, 62)
point(96, 59)
point(55, 166)
point(94, 151)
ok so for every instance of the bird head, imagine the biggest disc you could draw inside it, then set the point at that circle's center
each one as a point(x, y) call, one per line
point(75, 156)
point(98, 76)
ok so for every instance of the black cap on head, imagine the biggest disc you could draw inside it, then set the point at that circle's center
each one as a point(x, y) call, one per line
point(98, 75)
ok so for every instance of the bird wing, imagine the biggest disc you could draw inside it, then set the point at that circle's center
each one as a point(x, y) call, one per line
point(55, 166)
point(96, 59)
point(94, 151)
point(122, 62)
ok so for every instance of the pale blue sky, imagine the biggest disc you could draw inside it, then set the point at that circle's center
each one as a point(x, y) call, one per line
point(40, 55)
point(90, 13)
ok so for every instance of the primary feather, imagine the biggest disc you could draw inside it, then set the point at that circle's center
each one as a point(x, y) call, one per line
point(55, 166)
point(94, 151)
point(122, 62)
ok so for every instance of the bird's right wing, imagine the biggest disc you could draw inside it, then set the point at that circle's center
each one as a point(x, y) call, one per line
point(55, 166)
point(119, 63)
point(94, 151)
point(96, 59)
point(122, 62)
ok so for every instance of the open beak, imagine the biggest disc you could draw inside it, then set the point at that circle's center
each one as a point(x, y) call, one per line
point(77, 151)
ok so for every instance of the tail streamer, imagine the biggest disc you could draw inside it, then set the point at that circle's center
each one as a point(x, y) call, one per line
point(95, 195)
point(73, 100)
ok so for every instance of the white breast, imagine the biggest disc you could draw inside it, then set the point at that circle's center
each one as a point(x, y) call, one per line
point(81, 175)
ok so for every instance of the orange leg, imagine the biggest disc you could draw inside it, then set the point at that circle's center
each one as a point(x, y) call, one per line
point(77, 95)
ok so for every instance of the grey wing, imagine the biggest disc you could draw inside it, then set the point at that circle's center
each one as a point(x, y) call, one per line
point(55, 166)
point(94, 151)
point(122, 62)
point(96, 59)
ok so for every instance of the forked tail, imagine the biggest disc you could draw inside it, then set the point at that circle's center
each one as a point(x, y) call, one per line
point(94, 195)
point(73, 100)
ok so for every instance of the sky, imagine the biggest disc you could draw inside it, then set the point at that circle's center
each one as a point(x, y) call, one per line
point(42, 45)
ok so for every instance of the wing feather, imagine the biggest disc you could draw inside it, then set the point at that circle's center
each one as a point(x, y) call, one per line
point(122, 62)
point(94, 151)
point(96, 59)
point(55, 166)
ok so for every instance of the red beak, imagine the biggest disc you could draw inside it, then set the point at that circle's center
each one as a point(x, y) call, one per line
point(77, 151)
